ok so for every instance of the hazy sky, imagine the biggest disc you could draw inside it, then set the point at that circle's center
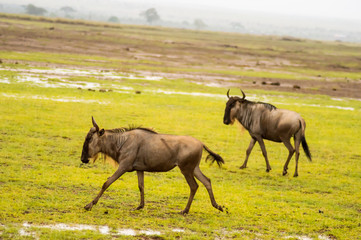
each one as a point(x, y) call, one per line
point(341, 9)
point(345, 9)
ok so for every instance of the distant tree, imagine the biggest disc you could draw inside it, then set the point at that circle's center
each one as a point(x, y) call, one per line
point(113, 19)
point(33, 10)
point(67, 9)
point(199, 24)
point(150, 15)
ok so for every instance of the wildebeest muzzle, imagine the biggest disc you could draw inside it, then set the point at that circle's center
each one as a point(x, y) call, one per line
point(84, 157)
point(226, 119)
point(84, 153)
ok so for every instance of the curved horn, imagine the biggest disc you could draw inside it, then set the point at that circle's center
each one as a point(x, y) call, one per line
point(228, 93)
point(244, 95)
point(95, 124)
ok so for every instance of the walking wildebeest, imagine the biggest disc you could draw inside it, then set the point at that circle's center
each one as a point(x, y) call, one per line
point(142, 149)
point(265, 121)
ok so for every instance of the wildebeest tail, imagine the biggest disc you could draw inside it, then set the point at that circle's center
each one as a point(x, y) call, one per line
point(305, 147)
point(303, 140)
point(213, 156)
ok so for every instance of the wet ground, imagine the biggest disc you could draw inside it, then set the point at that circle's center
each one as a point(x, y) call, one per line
point(26, 231)
point(45, 78)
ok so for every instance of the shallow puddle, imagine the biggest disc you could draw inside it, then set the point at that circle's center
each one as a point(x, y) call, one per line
point(5, 81)
point(327, 106)
point(58, 78)
point(47, 83)
point(168, 92)
point(25, 230)
point(37, 97)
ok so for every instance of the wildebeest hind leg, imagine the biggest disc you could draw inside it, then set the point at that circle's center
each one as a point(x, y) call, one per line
point(207, 183)
point(193, 185)
point(297, 150)
point(291, 151)
point(248, 152)
point(140, 175)
point(110, 180)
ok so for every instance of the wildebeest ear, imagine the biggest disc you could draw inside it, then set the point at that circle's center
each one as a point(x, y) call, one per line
point(101, 132)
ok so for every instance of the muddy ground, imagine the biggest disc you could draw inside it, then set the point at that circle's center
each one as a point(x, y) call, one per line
point(187, 55)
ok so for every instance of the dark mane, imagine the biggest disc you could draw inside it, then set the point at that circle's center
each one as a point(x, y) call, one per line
point(130, 128)
point(266, 105)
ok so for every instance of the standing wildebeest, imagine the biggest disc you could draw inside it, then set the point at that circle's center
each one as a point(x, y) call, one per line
point(265, 121)
point(142, 149)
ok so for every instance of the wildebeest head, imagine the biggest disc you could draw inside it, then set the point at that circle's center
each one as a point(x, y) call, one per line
point(232, 106)
point(91, 145)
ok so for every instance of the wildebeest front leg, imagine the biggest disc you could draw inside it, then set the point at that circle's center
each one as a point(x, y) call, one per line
point(110, 180)
point(264, 152)
point(248, 152)
point(141, 189)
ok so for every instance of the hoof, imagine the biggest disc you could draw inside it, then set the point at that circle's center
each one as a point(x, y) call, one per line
point(139, 207)
point(225, 209)
point(295, 175)
point(242, 167)
point(89, 207)
point(184, 212)
point(219, 207)
point(284, 173)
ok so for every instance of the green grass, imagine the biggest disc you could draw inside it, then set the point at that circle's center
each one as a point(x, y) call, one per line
point(42, 182)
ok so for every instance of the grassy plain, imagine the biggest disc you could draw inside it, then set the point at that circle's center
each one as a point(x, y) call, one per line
point(43, 125)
